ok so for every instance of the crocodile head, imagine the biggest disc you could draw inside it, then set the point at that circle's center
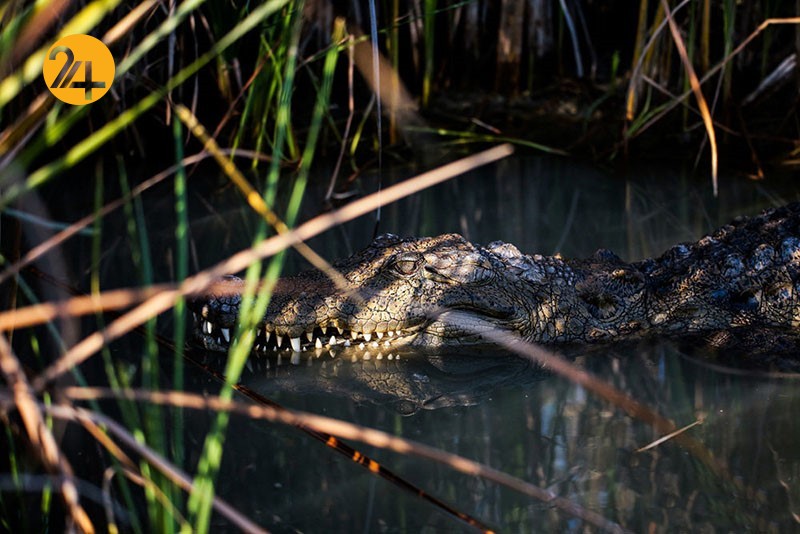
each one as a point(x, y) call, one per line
point(404, 291)
point(397, 290)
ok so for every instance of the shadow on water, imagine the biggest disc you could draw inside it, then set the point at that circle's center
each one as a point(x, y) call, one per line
point(496, 408)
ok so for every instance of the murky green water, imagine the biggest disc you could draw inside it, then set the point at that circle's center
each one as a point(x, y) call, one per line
point(501, 410)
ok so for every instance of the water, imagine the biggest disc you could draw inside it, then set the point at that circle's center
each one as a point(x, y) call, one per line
point(502, 411)
point(496, 408)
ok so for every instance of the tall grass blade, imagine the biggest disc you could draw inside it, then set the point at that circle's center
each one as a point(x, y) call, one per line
point(283, 115)
point(705, 36)
point(729, 28)
point(320, 108)
point(376, 70)
point(181, 272)
point(153, 432)
point(429, 10)
point(129, 412)
point(701, 101)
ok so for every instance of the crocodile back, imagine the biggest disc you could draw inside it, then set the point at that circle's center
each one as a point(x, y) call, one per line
point(743, 274)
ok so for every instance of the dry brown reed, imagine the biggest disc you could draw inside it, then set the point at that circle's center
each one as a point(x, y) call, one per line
point(352, 432)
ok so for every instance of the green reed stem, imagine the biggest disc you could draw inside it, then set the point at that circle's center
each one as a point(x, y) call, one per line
point(428, 23)
point(181, 272)
point(729, 29)
point(283, 119)
point(320, 108)
point(127, 408)
point(152, 432)
point(251, 311)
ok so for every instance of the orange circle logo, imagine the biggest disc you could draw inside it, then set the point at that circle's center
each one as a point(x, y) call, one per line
point(78, 69)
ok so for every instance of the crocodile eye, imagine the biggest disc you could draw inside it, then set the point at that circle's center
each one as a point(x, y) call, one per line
point(407, 264)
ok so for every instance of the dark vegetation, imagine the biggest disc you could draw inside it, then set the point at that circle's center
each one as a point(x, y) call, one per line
point(286, 86)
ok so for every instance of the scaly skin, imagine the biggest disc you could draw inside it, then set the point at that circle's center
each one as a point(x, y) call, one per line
point(744, 274)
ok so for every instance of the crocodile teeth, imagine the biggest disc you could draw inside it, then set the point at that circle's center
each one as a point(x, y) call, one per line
point(310, 336)
point(390, 333)
point(379, 334)
point(324, 329)
point(267, 335)
point(279, 339)
point(367, 337)
point(295, 341)
point(318, 343)
point(360, 345)
point(332, 341)
point(346, 342)
point(207, 327)
point(340, 329)
point(353, 334)
point(375, 344)
point(226, 333)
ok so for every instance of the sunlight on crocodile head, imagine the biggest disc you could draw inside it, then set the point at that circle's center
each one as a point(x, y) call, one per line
point(398, 289)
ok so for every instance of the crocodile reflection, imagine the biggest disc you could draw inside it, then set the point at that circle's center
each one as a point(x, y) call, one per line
point(571, 443)
point(408, 382)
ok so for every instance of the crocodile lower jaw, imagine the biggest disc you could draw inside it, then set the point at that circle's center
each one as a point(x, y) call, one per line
point(216, 337)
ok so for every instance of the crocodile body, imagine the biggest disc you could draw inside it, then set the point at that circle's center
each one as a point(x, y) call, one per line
point(399, 292)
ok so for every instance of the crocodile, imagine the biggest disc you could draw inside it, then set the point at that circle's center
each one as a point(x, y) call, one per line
point(447, 291)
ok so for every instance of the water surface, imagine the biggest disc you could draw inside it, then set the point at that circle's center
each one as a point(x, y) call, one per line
point(537, 427)
point(501, 410)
